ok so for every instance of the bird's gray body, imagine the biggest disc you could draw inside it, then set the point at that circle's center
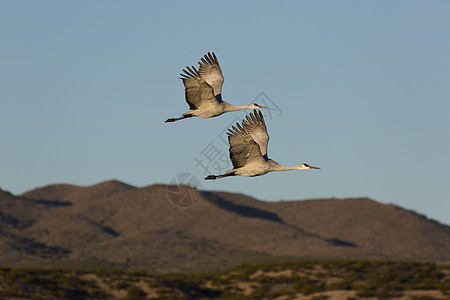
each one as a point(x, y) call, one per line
point(256, 169)
point(213, 110)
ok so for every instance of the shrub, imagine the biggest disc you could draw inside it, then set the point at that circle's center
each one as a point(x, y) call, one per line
point(307, 286)
point(134, 293)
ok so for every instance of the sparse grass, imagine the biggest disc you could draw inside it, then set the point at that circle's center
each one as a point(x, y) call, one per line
point(134, 293)
point(379, 279)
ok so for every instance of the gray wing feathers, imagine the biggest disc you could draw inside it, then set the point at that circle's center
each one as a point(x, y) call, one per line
point(198, 92)
point(257, 129)
point(243, 149)
point(209, 70)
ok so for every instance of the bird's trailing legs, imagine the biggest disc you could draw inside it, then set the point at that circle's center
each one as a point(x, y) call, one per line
point(212, 177)
point(180, 118)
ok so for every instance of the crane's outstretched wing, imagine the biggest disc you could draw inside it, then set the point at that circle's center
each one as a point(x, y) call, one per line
point(210, 71)
point(243, 149)
point(198, 93)
point(257, 129)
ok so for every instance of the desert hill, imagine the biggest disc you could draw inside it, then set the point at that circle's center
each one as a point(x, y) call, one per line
point(140, 228)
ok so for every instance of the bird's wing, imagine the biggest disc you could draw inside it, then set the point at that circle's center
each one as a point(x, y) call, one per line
point(198, 93)
point(243, 149)
point(210, 70)
point(257, 129)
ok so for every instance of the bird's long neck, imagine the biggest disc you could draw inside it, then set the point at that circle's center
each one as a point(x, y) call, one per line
point(231, 107)
point(278, 167)
point(285, 168)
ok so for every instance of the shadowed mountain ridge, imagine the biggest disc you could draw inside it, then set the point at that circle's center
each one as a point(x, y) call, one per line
point(140, 228)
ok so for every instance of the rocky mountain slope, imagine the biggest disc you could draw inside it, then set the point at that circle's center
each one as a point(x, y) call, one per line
point(142, 228)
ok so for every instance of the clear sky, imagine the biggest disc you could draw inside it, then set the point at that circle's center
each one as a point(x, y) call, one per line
point(358, 88)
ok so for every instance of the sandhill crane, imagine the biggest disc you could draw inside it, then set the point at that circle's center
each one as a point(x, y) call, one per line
point(204, 91)
point(248, 150)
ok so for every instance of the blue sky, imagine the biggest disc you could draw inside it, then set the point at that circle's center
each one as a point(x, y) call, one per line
point(361, 89)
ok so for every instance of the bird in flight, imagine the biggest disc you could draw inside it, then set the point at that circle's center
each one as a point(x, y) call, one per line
point(203, 91)
point(248, 150)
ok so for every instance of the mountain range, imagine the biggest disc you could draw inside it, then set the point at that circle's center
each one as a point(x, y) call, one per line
point(150, 228)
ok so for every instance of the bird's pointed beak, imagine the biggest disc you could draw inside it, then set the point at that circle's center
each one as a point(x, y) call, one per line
point(262, 106)
point(314, 167)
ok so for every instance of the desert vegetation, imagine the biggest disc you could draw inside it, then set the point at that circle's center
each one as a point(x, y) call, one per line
point(310, 279)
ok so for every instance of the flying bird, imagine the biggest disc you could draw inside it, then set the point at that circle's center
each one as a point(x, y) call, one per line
point(248, 150)
point(203, 91)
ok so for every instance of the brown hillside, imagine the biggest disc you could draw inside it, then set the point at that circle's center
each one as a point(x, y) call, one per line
point(17, 215)
point(141, 228)
point(378, 230)
point(55, 192)
point(68, 192)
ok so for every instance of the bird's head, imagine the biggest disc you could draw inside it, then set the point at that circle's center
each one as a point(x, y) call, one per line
point(306, 167)
point(256, 106)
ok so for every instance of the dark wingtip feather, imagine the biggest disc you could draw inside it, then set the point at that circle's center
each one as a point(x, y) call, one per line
point(189, 69)
point(253, 117)
point(206, 58)
point(261, 117)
